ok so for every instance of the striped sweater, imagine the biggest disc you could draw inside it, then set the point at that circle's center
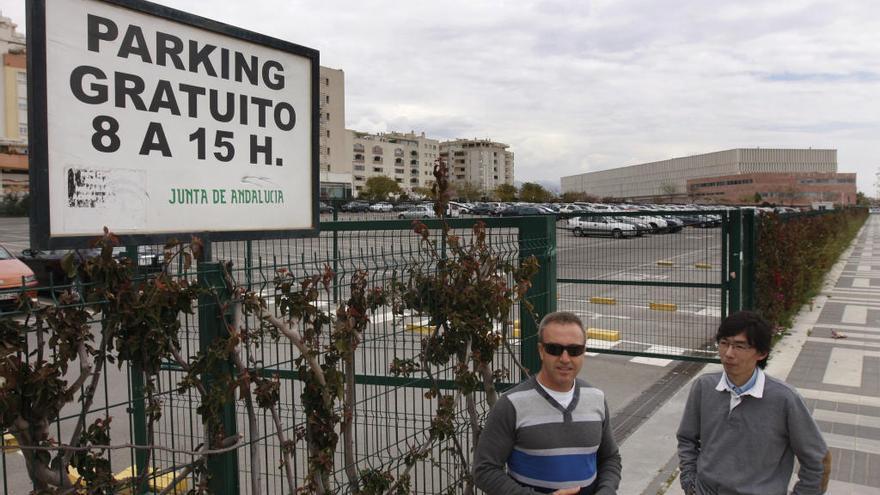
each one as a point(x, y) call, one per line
point(546, 447)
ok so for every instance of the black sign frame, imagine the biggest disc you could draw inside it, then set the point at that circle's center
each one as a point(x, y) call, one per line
point(38, 139)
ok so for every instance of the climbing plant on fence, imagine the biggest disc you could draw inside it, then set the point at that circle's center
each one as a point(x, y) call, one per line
point(54, 358)
point(794, 254)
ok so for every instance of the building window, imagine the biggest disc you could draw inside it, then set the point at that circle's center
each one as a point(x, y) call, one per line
point(327, 99)
point(21, 77)
point(359, 147)
point(358, 157)
point(22, 130)
point(327, 81)
point(22, 103)
point(328, 115)
point(328, 132)
point(378, 170)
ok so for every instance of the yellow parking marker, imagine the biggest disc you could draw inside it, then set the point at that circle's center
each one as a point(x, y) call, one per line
point(422, 329)
point(665, 263)
point(603, 300)
point(155, 483)
point(10, 444)
point(603, 334)
point(704, 266)
point(663, 306)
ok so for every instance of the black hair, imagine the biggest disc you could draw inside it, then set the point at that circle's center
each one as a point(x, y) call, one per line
point(757, 330)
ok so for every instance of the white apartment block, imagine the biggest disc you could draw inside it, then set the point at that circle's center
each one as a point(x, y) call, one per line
point(481, 162)
point(13, 109)
point(408, 158)
point(669, 177)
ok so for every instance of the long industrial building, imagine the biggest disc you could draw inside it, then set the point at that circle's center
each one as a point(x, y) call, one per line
point(670, 179)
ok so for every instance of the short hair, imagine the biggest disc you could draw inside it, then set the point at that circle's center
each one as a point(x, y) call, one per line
point(758, 331)
point(561, 318)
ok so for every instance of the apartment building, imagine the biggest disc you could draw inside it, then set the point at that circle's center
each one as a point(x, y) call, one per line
point(13, 113)
point(669, 179)
point(484, 163)
point(408, 158)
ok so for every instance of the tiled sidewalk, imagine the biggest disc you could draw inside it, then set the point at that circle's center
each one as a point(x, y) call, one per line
point(833, 358)
point(838, 369)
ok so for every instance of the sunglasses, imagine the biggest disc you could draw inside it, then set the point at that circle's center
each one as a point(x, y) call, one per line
point(573, 350)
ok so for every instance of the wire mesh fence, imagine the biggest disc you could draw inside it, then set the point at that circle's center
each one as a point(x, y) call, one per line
point(649, 284)
point(391, 415)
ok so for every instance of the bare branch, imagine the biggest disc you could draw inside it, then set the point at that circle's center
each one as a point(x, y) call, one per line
point(296, 338)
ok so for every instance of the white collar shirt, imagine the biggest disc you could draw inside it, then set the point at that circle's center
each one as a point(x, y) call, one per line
point(757, 390)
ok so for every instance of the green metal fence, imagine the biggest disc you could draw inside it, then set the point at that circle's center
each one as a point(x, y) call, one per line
point(392, 413)
point(656, 284)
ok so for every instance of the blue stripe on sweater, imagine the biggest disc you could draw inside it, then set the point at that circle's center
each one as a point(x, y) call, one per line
point(554, 468)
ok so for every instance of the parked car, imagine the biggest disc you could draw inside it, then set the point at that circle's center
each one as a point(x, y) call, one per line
point(14, 276)
point(46, 265)
point(482, 209)
point(640, 225)
point(598, 225)
point(417, 212)
point(355, 207)
point(381, 207)
point(402, 206)
point(324, 207)
point(522, 210)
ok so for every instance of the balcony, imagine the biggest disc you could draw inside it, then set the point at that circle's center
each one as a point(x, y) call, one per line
point(13, 162)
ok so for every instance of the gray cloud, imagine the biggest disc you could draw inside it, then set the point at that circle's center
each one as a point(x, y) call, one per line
point(574, 86)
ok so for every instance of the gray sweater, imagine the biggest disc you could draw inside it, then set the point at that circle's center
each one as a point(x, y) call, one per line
point(545, 446)
point(751, 449)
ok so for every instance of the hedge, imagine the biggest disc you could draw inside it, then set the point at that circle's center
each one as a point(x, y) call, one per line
point(794, 253)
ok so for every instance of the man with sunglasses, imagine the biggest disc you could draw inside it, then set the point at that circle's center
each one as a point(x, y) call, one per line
point(552, 431)
point(742, 429)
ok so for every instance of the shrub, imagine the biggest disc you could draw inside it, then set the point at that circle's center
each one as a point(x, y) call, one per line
point(794, 253)
point(15, 205)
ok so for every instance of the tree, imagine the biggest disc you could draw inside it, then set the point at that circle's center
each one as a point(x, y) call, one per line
point(534, 193)
point(467, 191)
point(423, 192)
point(379, 187)
point(574, 196)
point(862, 200)
point(757, 197)
point(669, 189)
point(505, 192)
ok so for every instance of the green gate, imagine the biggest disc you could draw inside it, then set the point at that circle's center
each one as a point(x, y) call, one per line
point(656, 284)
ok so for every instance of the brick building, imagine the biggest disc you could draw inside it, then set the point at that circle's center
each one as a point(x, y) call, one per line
point(795, 189)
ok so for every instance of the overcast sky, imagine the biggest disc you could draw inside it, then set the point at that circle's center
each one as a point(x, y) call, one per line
point(576, 86)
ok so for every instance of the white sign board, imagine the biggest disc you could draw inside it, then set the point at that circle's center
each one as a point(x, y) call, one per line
point(158, 122)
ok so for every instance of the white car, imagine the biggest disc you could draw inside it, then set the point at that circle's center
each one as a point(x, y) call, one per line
point(383, 206)
point(599, 225)
point(418, 212)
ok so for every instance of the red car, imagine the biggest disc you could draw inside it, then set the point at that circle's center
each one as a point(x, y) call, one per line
point(14, 275)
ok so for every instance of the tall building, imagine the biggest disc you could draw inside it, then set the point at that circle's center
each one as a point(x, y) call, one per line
point(673, 179)
point(332, 121)
point(408, 158)
point(485, 164)
point(13, 113)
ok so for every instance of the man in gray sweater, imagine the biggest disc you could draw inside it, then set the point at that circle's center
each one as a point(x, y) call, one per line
point(742, 429)
point(551, 432)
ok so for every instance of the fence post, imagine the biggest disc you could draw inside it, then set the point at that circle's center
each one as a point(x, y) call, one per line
point(223, 468)
point(734, 276)
point(749, 258)
point(537, 237)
